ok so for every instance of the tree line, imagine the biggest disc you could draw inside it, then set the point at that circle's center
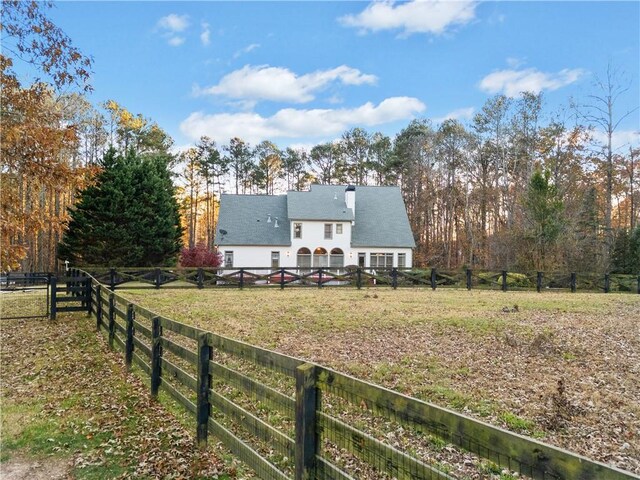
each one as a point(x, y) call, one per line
point(515, 187)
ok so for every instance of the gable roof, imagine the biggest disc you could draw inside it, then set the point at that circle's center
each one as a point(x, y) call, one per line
point(321, 202)
point(380, 218)
point(244, 220)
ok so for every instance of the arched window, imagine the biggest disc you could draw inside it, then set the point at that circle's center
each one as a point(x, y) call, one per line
point(320, 258)
point(304, 258)
point(336, 260)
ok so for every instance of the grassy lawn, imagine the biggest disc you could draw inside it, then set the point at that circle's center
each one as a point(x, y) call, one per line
point(559, 366)
point(70, 410)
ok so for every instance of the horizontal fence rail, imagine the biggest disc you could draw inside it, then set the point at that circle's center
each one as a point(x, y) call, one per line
point(291, 419)
point(140, 278)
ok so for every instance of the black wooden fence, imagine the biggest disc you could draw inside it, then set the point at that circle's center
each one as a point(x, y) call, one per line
point(291, 419)
point(433, 278)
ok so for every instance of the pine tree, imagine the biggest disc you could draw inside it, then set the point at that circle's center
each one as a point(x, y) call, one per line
point(543, 216)
point(129, 217)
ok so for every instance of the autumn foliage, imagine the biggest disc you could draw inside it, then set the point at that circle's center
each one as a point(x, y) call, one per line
point(200, 256)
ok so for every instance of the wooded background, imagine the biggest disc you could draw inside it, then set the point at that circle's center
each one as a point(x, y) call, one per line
point(517, 187)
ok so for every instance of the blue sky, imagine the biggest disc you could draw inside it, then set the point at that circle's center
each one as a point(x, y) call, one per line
point(303, 72)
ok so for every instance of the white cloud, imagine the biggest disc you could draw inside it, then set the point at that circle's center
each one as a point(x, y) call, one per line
point(298, 123)
point(174, 23)
point(205, 35)
point(417, 16)
point(176, 41)
point(281, 84)
point(171, 25)
point(513, 82)
point(458, 114)
point(247, 49)
point(621, 139)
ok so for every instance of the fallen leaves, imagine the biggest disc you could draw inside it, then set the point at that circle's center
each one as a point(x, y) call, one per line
point(104, 416)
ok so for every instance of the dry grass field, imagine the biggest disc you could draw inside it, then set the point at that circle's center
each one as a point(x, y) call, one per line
point(561, 367)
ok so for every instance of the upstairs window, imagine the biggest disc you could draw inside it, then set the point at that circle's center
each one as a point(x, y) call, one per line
point(338, 229)
point(297, 230)
point(328, 231)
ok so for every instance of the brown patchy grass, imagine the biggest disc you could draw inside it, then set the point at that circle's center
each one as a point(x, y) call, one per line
point(562, 367)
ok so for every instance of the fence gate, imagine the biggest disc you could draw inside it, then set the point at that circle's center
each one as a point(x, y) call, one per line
point(25, 295)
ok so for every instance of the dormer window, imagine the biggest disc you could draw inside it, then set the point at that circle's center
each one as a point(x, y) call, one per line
point(328, 231)
point(297, 230)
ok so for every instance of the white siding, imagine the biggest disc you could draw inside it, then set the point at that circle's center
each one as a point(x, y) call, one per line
point(260, 256)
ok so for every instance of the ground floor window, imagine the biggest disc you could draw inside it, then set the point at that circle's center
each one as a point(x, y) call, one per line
point(402, 260)
point(228, 259)
point(304, 258)
point(336, 259)
point(381, 260)
point(362, 259)
point(275, 259)
point(320, 258)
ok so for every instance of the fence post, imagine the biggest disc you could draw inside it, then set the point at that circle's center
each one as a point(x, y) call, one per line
point(359, 279)
point(128, 351)
point(112, 320)
point(394, 278)
point(156, 355)
point(98, 306)
point(112, 279)
point(433, 279)
point(241, 278)
point(504, 280)
point(638, 284)
point(200, 278)
point(157, 278)
point(282, 279)
point(203, 407)
point(88, 294)
point(469, 273)
point(607, 284)
point(320, 277)
point(573, 282)
point(54, 287)
point(306, 404)
point(539, 281)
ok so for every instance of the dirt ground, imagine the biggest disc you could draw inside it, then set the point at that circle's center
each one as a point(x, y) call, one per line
point(30, 469)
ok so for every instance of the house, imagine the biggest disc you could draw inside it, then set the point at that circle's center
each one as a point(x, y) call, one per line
point(329, 226)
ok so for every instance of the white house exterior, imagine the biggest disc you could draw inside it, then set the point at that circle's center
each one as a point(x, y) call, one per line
point(328, 226)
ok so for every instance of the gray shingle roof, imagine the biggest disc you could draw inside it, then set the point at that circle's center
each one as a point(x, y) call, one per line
point(381, 219)
point(322, 202)
point(244, 219)
point(380, 216)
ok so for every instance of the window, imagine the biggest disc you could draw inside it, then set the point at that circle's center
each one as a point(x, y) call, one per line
point(402, 260)
point(338, 229)
point(362, 259)
point(275, 259)
point(328, 231)
point(228, 259)
point(320, 258)
point(297, 230)
point(381, 260)
point(304, 258)
point(336, 259)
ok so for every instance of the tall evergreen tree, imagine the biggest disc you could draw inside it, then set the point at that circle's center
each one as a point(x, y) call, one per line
point(129, 217)
point(543, 216)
